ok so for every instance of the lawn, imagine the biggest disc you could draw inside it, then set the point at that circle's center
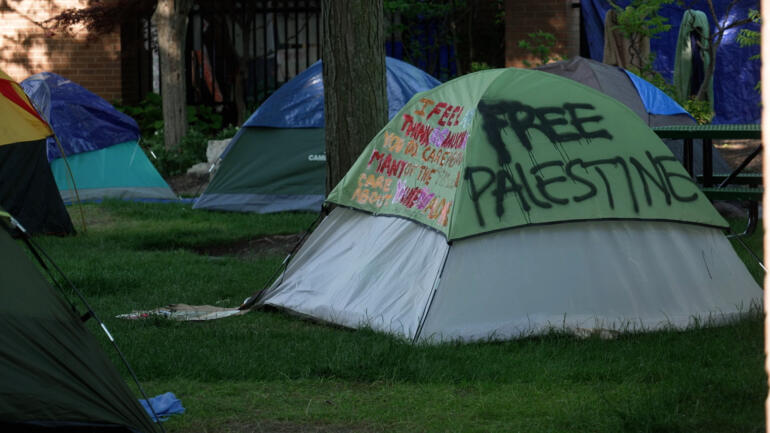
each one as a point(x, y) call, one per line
point(268, 371)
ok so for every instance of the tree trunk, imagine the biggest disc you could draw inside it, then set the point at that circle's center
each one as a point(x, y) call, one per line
point(355, 95)
point(171, 20)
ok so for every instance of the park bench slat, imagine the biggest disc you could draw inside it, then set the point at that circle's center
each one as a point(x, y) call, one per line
point(743, 131)
point(734, 193)
point(754, 179)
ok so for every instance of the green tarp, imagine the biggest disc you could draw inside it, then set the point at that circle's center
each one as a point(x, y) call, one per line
point(509, 148)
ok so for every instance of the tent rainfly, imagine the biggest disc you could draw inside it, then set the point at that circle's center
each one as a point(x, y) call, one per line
point(511, 202)
point(54, 375)
point(650, 103)
point(27, 187)
point(277, 161)
point(99, 142)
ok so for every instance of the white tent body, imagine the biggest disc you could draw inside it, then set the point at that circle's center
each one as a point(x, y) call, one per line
point(400, 277)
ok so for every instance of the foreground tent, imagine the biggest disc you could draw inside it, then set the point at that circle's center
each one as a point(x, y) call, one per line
point(54, 376)
point(277, 161)
point(511, 202)
point(100, 144)
point(27, 187)
point(651, 104)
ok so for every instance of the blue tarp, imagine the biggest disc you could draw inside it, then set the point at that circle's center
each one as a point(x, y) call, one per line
point(299, 103)
point(80, 119)
point(735, 76)
point(163, 406)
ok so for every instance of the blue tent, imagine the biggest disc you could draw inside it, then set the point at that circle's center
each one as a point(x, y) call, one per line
point(735, 76)
point(277, 160)
point(99, 142)
point(651, 104)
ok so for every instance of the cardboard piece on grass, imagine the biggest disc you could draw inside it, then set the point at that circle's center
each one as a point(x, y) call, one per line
point(184, 312)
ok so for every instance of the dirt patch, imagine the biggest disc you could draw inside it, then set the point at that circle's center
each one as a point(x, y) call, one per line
point(188, 185)
point(735, 151)
point(264, 245)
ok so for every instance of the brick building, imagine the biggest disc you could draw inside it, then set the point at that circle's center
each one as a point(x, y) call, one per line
point(107, 65)
point(27, 47)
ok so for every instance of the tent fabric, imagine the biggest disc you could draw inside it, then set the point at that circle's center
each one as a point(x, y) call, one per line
point(655, 101)
point(28, 191)
point(639, 276)
point(20, 121)
point(53, 372)
point(256, 176)
point(121, 171)
point(735, 100)
point(469, 217)
point(82, 120)
point(630, 89)
point(100, 144)
point(527, 167)
point(647, 101)
point(524, 282)
point(299, 102)
point(693, 31)
point(379, 286)
point(277, 161)
point(27, 187)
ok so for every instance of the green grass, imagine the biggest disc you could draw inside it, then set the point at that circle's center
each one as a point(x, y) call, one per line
point(268, 371)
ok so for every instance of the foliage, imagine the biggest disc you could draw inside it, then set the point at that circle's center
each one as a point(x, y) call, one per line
point(539, 44)
point(99, 17)
point(641, 18)
point(699, 109)
point(751, 38)
point(148, 114)
point(480, 66)
point(204, 119)
point(191, 150)
point(205, 124)
point(270, 371)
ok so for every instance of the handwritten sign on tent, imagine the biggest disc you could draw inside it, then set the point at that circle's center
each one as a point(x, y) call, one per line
point(509, 148)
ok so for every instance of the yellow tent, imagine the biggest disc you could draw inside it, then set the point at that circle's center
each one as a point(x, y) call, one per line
point(27, 188)
point(20, 121)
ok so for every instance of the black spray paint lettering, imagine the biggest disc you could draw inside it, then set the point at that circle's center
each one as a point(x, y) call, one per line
point(570, 122)
point(649, 176)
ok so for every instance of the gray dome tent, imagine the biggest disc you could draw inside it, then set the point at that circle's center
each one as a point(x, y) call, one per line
point(647, 101)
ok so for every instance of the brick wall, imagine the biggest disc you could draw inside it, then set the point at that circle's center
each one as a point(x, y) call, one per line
point(26, 47)
point(558, 17)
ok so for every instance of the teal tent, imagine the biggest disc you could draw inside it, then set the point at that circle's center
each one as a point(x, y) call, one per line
point(277, 161)
point(100, 144)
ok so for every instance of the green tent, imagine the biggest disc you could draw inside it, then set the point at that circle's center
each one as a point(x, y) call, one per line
point(54, 376)
point(509, 202)
point(277, 161)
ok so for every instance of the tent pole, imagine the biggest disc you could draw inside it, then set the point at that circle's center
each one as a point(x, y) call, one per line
point(72, 178)
point(432, 296)
point(37, 251)
point(249, 302)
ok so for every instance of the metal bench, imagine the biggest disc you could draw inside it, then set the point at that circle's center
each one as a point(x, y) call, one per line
point(736, 185)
